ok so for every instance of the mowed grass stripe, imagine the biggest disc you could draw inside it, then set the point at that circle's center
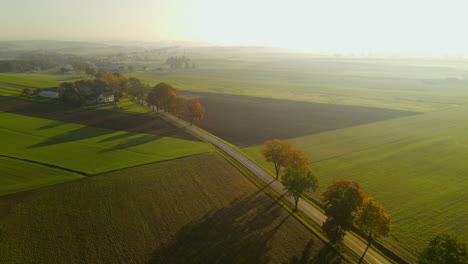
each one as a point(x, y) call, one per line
point(87, 149)
point(198, 209)
point(9, 91)
point(17, 175)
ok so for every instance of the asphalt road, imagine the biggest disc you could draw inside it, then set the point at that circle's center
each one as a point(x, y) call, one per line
point(350, 240)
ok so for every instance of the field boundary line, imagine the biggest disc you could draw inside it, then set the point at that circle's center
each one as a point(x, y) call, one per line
point(350, 240)
point(278, 199)
point(149, 163)
point(48, 165)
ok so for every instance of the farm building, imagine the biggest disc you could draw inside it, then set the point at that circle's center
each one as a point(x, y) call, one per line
point(105, 98)
point(49, 94)
point(102, 98)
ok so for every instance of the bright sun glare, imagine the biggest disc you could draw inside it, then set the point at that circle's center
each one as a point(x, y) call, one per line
point(425, 26)
point(347, 26)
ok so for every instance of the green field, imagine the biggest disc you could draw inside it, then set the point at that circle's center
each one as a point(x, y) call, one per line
point(38, 80)
point(415, 166)
point(421, 87)
point(86, 149)
point(18, 175)
point(199, 209)
point(125, 105)
point(8, 91)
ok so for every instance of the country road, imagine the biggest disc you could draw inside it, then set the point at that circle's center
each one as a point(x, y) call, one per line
point(350, 240)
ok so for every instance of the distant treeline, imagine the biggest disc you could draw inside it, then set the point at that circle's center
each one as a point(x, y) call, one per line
point(40, 61)
point(180, 62)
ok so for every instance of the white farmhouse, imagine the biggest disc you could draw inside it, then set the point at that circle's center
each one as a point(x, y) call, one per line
point(105, 98)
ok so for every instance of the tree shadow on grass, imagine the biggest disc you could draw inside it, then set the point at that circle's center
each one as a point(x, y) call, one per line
point(326, 255)
point(132, 142)
point(74, 135)
point(117, 137)
point(240, 233)
point(52, 124)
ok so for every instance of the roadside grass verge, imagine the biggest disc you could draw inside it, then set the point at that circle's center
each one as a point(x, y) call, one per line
point(17, 175)
point(198, 209)
point(84, 148)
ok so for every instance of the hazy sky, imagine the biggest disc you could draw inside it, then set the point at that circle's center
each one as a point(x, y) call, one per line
point(439, 26)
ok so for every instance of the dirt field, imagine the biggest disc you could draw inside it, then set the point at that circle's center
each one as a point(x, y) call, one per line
point(139, 123)
point(244, 120)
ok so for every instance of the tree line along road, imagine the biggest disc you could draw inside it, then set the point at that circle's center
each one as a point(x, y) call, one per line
point(350, 240)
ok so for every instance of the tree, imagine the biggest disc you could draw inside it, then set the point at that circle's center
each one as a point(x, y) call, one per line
point(374, 220)
point(444, 249)
point(296, 159)
point(79, 66)
point(27, 92)
point(70, 94)
point(91, 71)
point(276, 151)
point(342, 200)
point(180, 106)
point(299, 180)
point(195, 110)
point(136, 89)
point(165, 95)
point(151, 98)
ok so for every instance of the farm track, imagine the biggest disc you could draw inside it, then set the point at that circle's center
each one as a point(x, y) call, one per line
point(350, 240)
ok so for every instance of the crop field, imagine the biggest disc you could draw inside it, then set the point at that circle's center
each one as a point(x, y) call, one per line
point(245, 121)
point(373, 83)
point(198, 209)
point(38, 80)
point(415, 166)
point(125, 105)
point(92, 116)
point(92, 149)
point(18, 175)
point(9, 91)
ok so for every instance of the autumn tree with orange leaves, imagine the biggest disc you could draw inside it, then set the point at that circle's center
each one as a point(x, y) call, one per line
point(164, 95)
point(276, 151)
point(195, 110)
point(296, 159)
point(374, 221)
point(342, 201)
point(180, 106)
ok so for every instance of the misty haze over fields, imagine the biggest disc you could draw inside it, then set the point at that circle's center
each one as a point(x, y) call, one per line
point(207, 131)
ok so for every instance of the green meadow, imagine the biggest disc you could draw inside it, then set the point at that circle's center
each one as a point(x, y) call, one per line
point(38, 80)
point(9, 91)
point(86, 149)
point(415, 166)
point(422, 87)
point(18, 175)
point(198, 209)
point(125, 105)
